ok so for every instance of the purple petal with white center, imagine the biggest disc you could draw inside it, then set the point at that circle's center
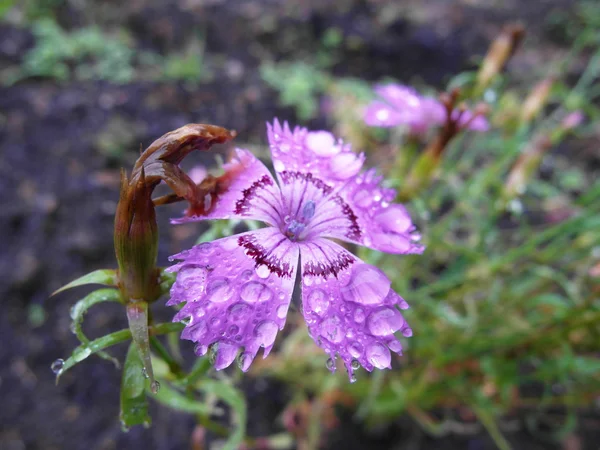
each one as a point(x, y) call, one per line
point(349, 307)
point(316, 153)
point(379, 114)
point(242, 302)
point(251, 193)
point(362, 212)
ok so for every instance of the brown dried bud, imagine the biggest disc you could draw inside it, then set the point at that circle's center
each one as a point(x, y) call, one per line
point(503, 47)
point(136, 230)
point(536, 100)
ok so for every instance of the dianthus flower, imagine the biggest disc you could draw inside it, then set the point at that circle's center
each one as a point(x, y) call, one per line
point(238, 289)
point(402, 105)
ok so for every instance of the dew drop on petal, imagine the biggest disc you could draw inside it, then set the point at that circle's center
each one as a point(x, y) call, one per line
point(395, 346)
point(395, 219)
point(355, 364)
point(266, 332)
point(246, 275)
point(244, 361)
point(368, 285)
point(255, 292)
point(282, 310)
point(263, 271)
point(233, 330)
point(278, 165)
point(331, 329)
point(239, 310)
point(200, 349)
point(359, 315)
point(322, 143)
point(363, 198)
point(379, 355)
point(345, 165)
point(330, 364)
point(219, 290)
point(355, 349)
point(385, 321)
point(57, 366)
point(352, 378)
point(205, 247)
point(317, 301)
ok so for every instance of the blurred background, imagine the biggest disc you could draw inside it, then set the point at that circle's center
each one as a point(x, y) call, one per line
point(504, 303)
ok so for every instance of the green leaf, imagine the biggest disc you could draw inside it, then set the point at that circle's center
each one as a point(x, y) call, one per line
point(107, 277)
point(134, 404)
point(174, 399)
point(5, 6)
point(81, 307)
point(235, 399)
point(84, 351)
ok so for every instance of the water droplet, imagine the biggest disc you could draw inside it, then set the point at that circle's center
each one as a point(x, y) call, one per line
point(345, 165)
point(212, 352)
point(359, 315)
point(384, 321)
point(266, 332)
point(155, 387)
point(204, 247)
point(394, 219)
point(186, 320)
point(322, 143)
point(278, 165)
point(363, 198)
point(282, 310)
point(200, 349)
point(352, 378)
point(379, 355)
point(307, 280)
point(263, 271)
point(330, 364)
point(233, 329)
point(255, 292)
point(395, 346)
point(239, 310)
point(331, 329)
point(219, 290)
point(244, 361)
point(318, 302)
point(368, 285)
point(355, 364)
point(355, 349)
point(246, 275)
point(198, 331)
point(145, 373)
point(215, 322)
point(57, 366)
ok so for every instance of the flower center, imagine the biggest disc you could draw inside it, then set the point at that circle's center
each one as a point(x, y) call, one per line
point(295, 227)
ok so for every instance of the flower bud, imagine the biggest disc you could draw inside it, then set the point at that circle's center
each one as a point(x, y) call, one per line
point(499, 53)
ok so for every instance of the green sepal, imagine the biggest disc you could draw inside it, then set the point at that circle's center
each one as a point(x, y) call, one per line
point(108, 277)
point(134, 404)
point(81, 307)
point(166, 280)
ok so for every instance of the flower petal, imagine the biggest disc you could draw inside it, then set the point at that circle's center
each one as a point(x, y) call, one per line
point(316, 153)
point(362, 213)
point(349, 307)
point(247, 191)
point(379, 114)
point(238, 290)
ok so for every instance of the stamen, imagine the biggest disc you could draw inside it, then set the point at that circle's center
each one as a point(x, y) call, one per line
point(309, 210)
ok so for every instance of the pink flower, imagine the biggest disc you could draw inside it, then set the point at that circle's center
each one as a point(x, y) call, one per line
point(238, 289)
point(401, 105)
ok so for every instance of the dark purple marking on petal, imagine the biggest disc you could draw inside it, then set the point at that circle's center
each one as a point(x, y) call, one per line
point(354, 232)
point(242, 205)
point(263, 256)
point(289, 176)
point(341, 262)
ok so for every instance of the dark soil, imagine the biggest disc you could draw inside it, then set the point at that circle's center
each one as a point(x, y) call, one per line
point(60, 186)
